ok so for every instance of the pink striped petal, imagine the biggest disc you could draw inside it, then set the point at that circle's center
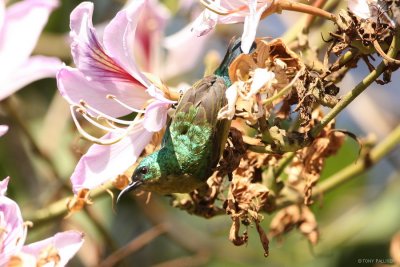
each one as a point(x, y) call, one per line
point(35, 68)
point(102, 163)
point(22, 25)
point(66, 244)
point(119, 39)
point(74, 87)
point(88, 53)
point(149, 33)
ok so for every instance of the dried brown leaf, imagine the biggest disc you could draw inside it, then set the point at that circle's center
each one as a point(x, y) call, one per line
point(78, 201)
point(294, 216)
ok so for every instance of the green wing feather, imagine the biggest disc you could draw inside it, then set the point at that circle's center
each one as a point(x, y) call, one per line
point(195, 133)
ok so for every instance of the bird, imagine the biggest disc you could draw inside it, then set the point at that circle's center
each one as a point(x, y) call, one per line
point(194, 139)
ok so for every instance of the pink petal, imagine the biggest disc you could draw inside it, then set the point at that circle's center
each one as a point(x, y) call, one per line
point(66, 243)
point(3, 130)
point(251, 24)
point(156, 116)
point(104, 162)
point(158, 95)
point(4, 184)
point(149, 33)
point(179, 46)
point(204, 23)
point(35, 68)
point(23, 23)
point(119, 39)
point(2, 11)
point(13, 231)
point(74, 87)
point(240, 13)
point(207, 20)
point(88, 53)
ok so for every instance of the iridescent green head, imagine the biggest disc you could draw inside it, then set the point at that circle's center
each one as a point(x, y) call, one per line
point(147, 170)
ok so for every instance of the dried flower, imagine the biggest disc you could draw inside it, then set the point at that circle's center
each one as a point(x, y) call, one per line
point(294, 216)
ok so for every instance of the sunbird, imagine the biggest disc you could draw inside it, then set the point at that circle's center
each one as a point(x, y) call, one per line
point(194, 139)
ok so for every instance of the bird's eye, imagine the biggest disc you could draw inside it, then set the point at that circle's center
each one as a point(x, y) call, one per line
point(143, 170)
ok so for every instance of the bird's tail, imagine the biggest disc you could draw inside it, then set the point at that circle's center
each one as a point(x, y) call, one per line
point(232, 53)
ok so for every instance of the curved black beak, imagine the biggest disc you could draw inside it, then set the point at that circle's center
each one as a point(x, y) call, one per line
point(132, 186)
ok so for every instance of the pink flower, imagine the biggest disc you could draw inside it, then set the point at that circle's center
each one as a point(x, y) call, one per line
point(232, 11)
point(61, 246)
point(107, 84)
point(12, 228)
point(20, 27)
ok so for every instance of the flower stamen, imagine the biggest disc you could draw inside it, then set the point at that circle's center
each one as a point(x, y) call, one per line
point(103, 115)
point(113, 97)
point(220, 10)
point(95, 123)
point(86, 135)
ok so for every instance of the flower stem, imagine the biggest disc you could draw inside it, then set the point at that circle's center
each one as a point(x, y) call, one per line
point(290, 5)
point(59, 209)
point(311, 17)
point(346, 174)
point(296, 29)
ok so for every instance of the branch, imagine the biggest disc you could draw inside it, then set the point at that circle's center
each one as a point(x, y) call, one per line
point(59, 209)
point(134, 245)
point(375, 155)
point(348, 173)
point(367, 81)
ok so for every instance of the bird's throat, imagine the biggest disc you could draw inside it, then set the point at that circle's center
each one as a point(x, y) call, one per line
point(172, 184)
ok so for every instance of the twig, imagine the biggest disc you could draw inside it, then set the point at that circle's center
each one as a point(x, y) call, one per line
point(348, 173)
point(383, 54)
point(289, 5)
point(134, 245)
point(294, 31)
point(98, 224)
point(350, 96)
point(199, 259)
point(157, 214)
point(59, 209)
point(375, 155)
point(285, 90)
point(311, 17)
